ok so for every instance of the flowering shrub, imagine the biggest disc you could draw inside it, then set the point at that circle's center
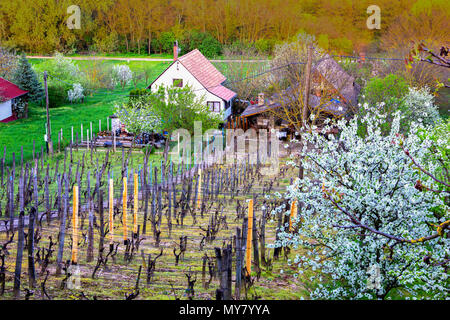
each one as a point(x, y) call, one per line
point(372, 215)
point(122, 75)
point(419, 104)
point(138, 117)
point(76, 94)
point(61, 67)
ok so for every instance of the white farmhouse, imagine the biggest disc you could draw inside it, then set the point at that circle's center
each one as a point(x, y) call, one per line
point(195, 70)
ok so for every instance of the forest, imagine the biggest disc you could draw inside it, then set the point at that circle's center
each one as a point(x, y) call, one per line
point(146, 27)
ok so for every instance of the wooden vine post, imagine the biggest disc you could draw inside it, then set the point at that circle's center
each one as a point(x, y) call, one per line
point(248, 249)
point(199, 202)
point(75, 226)
point(111, 211)
point(293, 214)
point(124, 216)
point(136, 204)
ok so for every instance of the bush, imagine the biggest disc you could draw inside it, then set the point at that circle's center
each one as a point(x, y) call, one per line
point(391, 94)
point(387, 94)
point(203, 41)
point(389, 90)
point(342, 45)
point(57, 93)
point(121, 74)
point(76, 94)
point(238, 48)
point(137, 94)
point(62, 68)
point(166, 40)
point(265, 46)
point(108, 43)
point(419, 104)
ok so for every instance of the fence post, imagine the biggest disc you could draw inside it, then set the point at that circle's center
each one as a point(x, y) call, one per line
point(293, 214)
point(199, 202)
point(136, 204)
point(90, 248)
point(124, 215)
point(111, 211)
point(19, 255)
point(75, 225)
point(238, 248)
point(248, 253)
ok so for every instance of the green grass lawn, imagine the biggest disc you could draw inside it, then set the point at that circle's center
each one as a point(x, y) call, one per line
point(99, 106)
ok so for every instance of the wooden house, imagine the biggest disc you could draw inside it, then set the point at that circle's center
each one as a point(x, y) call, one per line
point(332, 90)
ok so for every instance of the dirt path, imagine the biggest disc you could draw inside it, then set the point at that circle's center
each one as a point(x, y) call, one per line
point(141, 59)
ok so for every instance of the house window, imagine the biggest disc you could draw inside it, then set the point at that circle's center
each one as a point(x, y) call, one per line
point(178, 83)
point(214, 106)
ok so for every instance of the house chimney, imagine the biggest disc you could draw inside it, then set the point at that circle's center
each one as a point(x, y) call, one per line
point(261, 99)
point(175, 50)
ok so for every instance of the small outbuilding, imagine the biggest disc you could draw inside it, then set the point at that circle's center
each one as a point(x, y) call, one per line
point(12, 100)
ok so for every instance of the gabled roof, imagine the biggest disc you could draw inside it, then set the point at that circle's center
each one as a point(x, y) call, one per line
point(9, 90)
point(205, 72)
point(222, 92)
point(202, 69)
point(333, 106)
point(339, 79)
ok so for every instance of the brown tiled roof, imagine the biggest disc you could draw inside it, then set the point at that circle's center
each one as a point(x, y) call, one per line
point(339, 79)
point(222, 92)
point(202, 69)
point(333, 106)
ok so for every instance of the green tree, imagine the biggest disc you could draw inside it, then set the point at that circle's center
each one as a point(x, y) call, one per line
point(26, 79)
point(387, 94)
point(167, 109)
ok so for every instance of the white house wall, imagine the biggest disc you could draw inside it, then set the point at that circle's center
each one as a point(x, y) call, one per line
point(178, 71)
point(5, 110)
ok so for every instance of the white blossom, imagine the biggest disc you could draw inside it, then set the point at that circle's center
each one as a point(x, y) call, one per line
point(372, 179)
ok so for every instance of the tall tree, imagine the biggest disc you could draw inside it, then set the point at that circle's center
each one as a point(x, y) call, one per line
point(26, 79)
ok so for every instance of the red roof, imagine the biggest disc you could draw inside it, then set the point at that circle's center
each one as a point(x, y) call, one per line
point(204, 71)
point(222, 92)
point(9, 90)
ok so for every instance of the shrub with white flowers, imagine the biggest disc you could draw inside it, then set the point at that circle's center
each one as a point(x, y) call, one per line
point(63, 67)
point(122, 75)
point(138, 117)
point(373, 213)
point(419, 104)
point(76, 94)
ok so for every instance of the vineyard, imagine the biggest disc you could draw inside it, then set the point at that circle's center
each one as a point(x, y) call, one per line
point(95, 224)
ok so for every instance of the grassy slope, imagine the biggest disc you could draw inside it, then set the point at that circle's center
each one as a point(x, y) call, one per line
point(97, 107)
